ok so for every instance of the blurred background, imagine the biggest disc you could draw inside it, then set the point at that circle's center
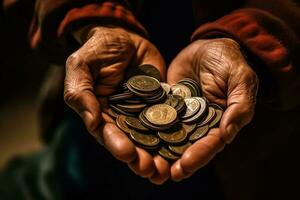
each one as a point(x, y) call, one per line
point(21, 77)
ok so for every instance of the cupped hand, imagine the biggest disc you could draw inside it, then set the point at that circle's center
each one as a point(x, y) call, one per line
point(226, 79)
point(95, 71)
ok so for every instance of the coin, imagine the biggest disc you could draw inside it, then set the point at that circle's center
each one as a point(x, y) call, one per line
point(217, 118)
point(167, 154)
point(145, 69)
point(171, 100)
point(193, 83)
point(199, 115)
point(179, 149)
point(151, 126)
point(166, 87)
point(136, 124)
point(173, 136)
point(192, 107)
point(210, 116)
point(181, 90)
point(143, 83)
point(181, 104)
point(112, 113)
point(199, 133)
point(119, 97)
point(189, 128)
point(161, 114)
point(131, 107)
point(121, 123)
point(144, 139)
point(118, 110)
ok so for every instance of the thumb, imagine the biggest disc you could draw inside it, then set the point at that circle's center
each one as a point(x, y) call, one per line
point(180, 68)
point(79, 93)
point(240, 107)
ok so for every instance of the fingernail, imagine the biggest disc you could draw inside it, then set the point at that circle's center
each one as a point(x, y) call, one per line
point(231, 130)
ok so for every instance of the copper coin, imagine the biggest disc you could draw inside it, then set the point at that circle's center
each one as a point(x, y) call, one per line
point(143, 83)
point(161, 114)
point(135, 124)
point(173, 137)
point(181, 90)
point(121, 123)
point(179, 149)
point(167, 154)
point(199, 133)
point(144, 139)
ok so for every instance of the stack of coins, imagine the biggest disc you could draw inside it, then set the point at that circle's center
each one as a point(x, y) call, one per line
point(161, 118)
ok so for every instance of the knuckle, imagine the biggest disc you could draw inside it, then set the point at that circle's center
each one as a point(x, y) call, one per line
point(73, 59)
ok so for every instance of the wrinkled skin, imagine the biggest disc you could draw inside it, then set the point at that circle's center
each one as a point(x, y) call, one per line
point(226, 79)
point(95, 71)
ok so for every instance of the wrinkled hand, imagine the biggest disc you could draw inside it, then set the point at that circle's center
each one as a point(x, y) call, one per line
point(95, 71)
point(226, 79)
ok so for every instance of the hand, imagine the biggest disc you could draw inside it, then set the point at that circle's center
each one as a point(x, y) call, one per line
point(95, 71)
point(221, 70)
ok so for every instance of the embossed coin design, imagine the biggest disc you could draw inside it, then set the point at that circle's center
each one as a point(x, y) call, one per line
point(161, 114)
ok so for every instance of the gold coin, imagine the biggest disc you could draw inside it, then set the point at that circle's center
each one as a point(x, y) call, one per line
point(173, 137)
point(121, 123)
point(143, 83)
point(167, 154)
point(135, 124)
point(199, 133)
point(181, 90)
point(180, 149)
point(161, 114)
point(144, 139)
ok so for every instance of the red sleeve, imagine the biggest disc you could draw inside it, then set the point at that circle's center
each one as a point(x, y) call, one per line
point(53, 21)
point(270, 33)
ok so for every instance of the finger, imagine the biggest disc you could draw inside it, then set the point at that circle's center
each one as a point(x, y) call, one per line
point(240, 106)
point(162, 172)
point(117, 143)
point(78, 92)
point(202, 151)
point(143, 165)
point(151, 55)
point(177, 172)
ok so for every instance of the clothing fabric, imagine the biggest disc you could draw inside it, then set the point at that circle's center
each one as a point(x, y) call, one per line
point(259, 164)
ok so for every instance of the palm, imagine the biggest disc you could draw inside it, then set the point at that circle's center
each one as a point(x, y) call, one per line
point(225, 79)
point(96, 70)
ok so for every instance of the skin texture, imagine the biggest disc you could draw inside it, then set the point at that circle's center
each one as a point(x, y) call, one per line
point(95, 71)
point(226, 79)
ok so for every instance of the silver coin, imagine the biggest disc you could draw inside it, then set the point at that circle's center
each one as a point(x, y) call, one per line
point(192, 107)
point(166, 87)
point(181, 90)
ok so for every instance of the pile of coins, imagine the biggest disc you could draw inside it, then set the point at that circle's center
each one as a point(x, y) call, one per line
point(161, 118)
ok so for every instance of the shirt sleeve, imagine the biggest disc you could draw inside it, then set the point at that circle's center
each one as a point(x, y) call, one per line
point(269, 33)
point(54, 20)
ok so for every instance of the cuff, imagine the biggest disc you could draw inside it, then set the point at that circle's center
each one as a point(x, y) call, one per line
point(268, 41)
point(107, 13)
